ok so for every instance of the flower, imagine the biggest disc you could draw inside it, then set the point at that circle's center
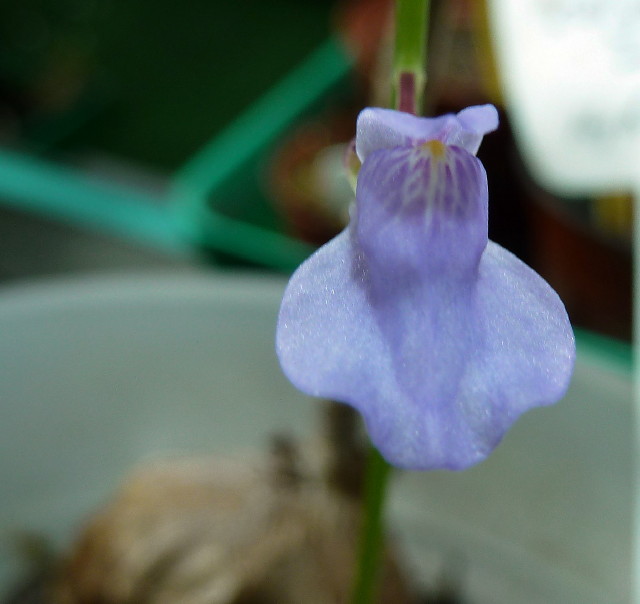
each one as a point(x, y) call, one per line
point(438, 336)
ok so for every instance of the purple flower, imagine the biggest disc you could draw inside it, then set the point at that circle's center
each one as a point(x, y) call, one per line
point(438, 336)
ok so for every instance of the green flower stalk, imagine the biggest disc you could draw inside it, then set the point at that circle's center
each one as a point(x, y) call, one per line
point(409, 57)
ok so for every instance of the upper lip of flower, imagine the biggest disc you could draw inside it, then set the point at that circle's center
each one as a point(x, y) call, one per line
point(384, 128)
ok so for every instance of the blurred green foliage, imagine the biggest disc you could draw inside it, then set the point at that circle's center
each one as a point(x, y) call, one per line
point(147, 80)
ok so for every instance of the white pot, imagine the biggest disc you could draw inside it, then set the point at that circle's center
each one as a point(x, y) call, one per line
point(97, 373)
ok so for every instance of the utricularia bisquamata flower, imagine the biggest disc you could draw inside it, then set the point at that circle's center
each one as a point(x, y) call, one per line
point(438, 336)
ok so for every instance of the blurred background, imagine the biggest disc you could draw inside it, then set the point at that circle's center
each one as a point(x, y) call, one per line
point(146, 134)
point(146, 138)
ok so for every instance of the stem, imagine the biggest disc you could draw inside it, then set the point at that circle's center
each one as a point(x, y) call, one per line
point(378, 472)
point(409, 61)
point(408, 80)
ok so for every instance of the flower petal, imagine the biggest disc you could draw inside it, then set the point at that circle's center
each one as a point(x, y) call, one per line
point(476, 121)
point(470, 364)
point(422, 210)
point(477, 365)
point(438, 337)
point(384, 128)
point(327, 339)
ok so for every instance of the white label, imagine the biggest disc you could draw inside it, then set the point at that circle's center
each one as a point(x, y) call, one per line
point(570, 71)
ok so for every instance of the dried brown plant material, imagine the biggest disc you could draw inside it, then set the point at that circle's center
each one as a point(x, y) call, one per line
point(215, 531)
